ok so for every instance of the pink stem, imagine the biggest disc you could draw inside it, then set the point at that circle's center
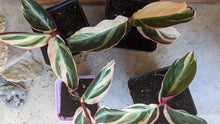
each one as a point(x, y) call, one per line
point(170, 107)
point(130, 20)
point(86, 113)
point(53, 33)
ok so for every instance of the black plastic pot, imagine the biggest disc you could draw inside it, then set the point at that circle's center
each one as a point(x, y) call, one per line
point(134, 40)
point(145, 89)
point(66, 106)
point(69, 17)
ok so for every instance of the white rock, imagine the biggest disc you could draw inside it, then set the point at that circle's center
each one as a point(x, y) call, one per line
point(25, 69)
point(3, 46)
point(2, 23)
point(14, 55)
point(2, 81)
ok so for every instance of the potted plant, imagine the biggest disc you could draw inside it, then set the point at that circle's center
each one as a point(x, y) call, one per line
point(68, 17)
point(176, 80)
point(66, 105)
point(105, 35)
point(154, 22)
point(133, 40)
point(145, 89)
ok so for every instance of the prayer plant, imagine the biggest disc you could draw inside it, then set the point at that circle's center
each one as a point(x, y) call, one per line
point(176, 80)
point(152, 21)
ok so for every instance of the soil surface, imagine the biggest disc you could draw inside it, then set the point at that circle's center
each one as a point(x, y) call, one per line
point(134, 40)
point(69, 105)
point(145, 89)
point(69, 17)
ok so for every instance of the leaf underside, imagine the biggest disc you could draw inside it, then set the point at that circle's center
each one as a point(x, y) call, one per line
point(161, 36)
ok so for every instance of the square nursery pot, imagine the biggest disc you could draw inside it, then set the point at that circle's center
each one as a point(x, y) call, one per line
point(69, 18)
point(134, 40)
point(145, 89)
point(65, 103)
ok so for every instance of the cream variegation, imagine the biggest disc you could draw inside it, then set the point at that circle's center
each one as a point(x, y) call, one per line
point(100, 85)
point(104, 35)
point(80, 117)
point(134, 114)
point(25, 40)
point(62, 62)
point(179, 76)
point(162, 14)
point(162, 36)
point(181, 117)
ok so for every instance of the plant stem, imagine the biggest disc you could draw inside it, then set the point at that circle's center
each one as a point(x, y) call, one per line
point(86, 112)
point(130, 20)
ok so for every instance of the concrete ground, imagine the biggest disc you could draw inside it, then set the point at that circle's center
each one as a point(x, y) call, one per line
point(202, 35)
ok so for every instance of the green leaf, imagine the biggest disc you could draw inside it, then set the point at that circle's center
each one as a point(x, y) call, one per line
point(134, 114)
point(161, 36)
point(181, 117)
point(62, 62)
point(79, 116)
point(100, 85)
point(37, 17)
point(104, 35)
point(162, 14)
point(25, 40)
point(179, 76)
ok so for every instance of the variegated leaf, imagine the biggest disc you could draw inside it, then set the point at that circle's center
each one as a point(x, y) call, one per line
point(162, 36)
point(80, 117)
point(25, 40)
point(162, 14)
point(100, 85)
point(62, 62)
point(104, 35)
point(37, 17)
point(181, 117)
point(179, 76)
point(134, 114)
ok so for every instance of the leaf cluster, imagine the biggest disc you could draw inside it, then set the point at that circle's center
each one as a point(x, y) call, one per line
point(152, 21)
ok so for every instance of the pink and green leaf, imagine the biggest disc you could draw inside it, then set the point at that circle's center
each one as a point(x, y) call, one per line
point(100, 85)
point(37, 17)
point(179, 76)
point(181, 117)
point(162, 36)
point(162, 14)
point(134, 114)
point(25, 40)
point(80, 117)
point(104, 35)
point(62, 62)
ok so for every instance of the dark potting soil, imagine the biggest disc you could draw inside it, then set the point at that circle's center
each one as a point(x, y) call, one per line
point(69, 105)
point(134, 40)
point(145, 89)
point(69, 17)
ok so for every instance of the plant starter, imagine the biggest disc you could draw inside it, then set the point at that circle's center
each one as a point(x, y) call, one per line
point(145, 89)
